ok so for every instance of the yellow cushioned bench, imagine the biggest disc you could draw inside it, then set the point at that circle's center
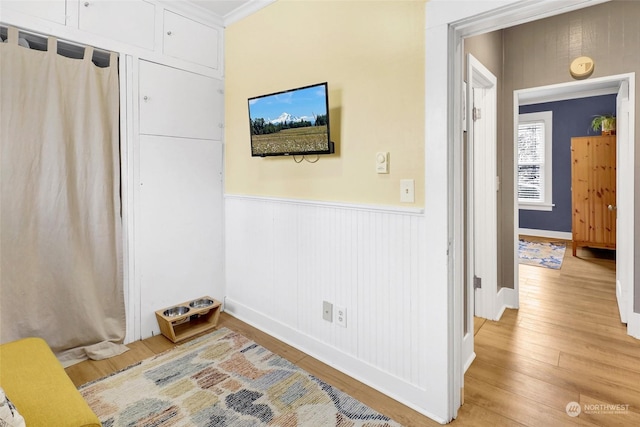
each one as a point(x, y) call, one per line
point(38, 386)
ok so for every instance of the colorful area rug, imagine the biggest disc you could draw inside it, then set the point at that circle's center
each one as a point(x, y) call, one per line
point(223, 379)
point(541, 254)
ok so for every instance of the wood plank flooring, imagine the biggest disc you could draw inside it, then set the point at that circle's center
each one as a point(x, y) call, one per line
point(564, 344)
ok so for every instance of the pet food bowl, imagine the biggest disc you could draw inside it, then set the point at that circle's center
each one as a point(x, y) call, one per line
point(201, 303)
point(176, 311)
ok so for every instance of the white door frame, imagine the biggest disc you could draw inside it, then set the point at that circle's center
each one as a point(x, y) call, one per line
point(481, 119)
point(625, 167)
point(482, 186)
point(447, 24)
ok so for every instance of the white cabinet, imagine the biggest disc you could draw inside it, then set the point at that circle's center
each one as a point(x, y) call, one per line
point(51, 10)
point(179, 237)
point(131, 21)
point(179, 103)
point(189, 40)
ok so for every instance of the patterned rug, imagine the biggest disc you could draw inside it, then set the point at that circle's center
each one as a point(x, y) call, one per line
point(223, 379)
point(541, 254)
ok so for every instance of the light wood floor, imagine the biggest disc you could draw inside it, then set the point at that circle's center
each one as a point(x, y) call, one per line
point(564, 344)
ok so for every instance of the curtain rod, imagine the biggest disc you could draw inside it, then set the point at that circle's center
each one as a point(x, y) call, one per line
point(44, 38)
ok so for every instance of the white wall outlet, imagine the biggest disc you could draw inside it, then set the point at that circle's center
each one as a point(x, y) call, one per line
point(382, 162)
point(341, 316)
point(327, 311)
point(407, 191)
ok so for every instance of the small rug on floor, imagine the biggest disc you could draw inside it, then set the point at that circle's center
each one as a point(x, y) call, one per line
point(223, 379)
point(541, 254)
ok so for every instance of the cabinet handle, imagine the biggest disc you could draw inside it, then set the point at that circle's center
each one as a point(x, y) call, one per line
point(169, 33)
point(86, 4)
point(146, 98)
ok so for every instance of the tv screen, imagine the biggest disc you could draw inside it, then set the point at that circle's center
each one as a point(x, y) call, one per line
point(291, 122)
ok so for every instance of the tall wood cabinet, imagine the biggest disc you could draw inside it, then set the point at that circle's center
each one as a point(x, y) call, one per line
point(593, 189)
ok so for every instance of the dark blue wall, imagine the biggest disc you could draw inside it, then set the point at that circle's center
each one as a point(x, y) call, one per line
point(570, 118)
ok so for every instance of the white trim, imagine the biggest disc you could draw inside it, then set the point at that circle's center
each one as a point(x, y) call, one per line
point(541, 97)
point(549, 234)
point(470, 360)
point(338, 205)
point(547, 191)
point(507, 298)
point(331, 356)
point(245, 10)
point(536, 206)
point(563, 91)
point(633, 327)
point(132, 304)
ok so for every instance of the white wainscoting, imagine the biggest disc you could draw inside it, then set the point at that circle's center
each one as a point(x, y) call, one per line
point(285, 257)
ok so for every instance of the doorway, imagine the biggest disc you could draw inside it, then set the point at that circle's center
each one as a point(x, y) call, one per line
point(620, 86)
point(446, 29)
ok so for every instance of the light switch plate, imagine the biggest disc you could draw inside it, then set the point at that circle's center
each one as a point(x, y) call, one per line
point(382, 162)
point(407, 191)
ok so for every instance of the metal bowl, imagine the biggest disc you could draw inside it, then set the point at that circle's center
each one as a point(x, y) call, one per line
point(201, 303)
point(176, 311)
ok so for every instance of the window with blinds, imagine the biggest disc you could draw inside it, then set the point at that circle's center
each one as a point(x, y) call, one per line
point(531, 162)
point(534, 160)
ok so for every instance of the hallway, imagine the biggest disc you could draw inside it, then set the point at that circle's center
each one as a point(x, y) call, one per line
point(565, 344)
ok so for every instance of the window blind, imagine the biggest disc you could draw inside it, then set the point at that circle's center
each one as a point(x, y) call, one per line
point(531, 157)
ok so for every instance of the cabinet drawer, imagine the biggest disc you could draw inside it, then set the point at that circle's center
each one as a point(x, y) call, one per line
point(51, 10)
point(179, 103)
point(132, 21)
point(192, 41)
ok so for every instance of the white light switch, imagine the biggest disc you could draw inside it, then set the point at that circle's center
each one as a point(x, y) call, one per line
point(382, 162)
point(407, 191)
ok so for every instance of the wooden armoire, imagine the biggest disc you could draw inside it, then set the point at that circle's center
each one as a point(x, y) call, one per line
point(593, 191)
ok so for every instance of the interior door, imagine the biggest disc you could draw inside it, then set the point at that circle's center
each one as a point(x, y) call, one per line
point(481, 202)
point(624, 252)
point(482, 213)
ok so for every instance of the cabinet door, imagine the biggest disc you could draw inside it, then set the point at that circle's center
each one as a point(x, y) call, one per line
point(179, 227)
point(593, 188)
point(51, 10)
point(190, 40)
point(131, 21)
point(179, 103)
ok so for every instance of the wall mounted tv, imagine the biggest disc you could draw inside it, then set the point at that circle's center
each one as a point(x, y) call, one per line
point(291, 122)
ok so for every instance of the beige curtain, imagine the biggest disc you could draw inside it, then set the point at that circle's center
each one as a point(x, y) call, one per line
point(60, 244)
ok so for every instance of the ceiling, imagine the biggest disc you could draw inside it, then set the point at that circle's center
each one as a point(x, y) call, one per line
point(220, 7)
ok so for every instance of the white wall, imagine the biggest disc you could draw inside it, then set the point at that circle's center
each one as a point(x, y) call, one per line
point(284, 257)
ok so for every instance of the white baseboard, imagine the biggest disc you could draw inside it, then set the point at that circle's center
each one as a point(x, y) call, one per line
point(468, 363)
point(394, 387)
point(507, 298)
point(549, 234)
point(633, 326)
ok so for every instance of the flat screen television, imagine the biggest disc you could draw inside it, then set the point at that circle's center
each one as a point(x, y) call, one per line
point(291, 122)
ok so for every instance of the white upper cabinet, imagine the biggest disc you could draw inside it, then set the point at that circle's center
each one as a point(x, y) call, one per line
point(131, 21)
point(51, 10)
point(179, 103)
point(190, 40)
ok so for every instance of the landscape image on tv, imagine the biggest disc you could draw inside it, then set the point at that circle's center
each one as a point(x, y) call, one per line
point(290, 122)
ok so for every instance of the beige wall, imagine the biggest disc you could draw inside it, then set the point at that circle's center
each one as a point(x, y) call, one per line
point(371, 53)
point(538, 54)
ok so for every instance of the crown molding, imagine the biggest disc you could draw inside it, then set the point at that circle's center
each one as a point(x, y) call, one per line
point(245, 10)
